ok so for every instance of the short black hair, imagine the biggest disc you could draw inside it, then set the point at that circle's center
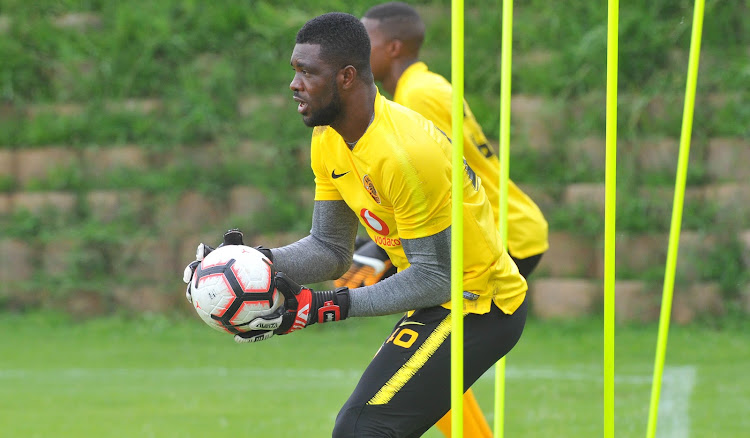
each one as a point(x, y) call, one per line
point(343, 41)
point(399, 21)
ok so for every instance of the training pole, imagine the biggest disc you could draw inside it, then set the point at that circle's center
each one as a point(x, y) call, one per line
point(674, 230)
point(609, 221)
point(504, 157)
point(457, 227)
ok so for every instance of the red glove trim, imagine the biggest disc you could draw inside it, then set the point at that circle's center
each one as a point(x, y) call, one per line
point(302, 313)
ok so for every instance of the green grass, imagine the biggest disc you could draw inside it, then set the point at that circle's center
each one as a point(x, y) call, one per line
point(174, 377)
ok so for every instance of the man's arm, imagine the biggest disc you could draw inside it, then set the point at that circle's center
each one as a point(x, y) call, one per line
point(426, 283)
point(326, 253)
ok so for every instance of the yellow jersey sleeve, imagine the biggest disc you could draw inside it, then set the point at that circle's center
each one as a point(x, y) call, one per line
point(419, 185)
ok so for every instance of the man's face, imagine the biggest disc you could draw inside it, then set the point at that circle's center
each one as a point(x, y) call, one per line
point(314, 86)
point(379, 60)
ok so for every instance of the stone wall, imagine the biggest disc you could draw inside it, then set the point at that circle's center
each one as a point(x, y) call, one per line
point(567, 283)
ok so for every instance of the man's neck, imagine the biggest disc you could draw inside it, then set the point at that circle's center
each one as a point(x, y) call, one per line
point(398, 68)
point(358, 112)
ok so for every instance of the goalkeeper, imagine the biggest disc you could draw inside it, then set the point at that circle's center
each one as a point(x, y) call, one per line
point(389, 169)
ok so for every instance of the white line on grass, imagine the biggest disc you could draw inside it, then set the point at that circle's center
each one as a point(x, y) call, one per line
point(674, 402)
point(181, 372)
point(555, 374)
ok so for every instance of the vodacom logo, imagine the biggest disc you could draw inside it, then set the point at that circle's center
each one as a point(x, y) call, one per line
point(374, 222)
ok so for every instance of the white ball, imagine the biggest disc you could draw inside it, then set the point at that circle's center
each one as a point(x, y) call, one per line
point(233, 285)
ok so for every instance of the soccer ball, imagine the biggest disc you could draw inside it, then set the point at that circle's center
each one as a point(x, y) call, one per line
point(233, 285)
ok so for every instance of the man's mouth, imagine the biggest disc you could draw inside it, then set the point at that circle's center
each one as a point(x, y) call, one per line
point(302, 105)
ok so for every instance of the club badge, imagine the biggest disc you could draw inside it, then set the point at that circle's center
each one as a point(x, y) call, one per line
point(371, 188)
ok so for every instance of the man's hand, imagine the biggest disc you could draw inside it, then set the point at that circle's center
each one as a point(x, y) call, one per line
point(231, 237)
point(302, 307)
point(261, 328)
point(371, 264)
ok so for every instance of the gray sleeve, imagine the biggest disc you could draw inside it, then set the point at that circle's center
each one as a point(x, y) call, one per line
point(326, 254)
point(425, 283)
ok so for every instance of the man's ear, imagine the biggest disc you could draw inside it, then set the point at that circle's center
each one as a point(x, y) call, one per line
point(394, 48)
point(347, 75)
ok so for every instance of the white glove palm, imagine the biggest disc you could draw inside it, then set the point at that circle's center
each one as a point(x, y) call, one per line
point(200, 253)
point(231, 237)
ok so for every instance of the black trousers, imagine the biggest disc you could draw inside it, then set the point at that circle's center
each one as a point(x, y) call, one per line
point(406, 387)
point(526, 266)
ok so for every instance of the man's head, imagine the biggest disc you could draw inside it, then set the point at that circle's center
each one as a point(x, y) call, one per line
point(331, 56)
point(396, 32)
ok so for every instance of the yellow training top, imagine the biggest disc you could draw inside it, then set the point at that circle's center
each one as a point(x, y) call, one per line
point(397, 179)
point(430, 94)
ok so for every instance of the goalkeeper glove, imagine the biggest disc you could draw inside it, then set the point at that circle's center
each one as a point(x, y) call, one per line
point(231, 237)
point(371, 264)
point(302, 307)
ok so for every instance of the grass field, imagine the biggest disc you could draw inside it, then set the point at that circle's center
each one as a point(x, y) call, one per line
point(162, 377)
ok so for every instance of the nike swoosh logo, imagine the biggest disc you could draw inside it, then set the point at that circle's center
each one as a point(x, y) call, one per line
point(410, 323)
point(335, 175)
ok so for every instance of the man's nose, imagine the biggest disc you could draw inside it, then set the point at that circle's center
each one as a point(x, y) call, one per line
point(295, 85)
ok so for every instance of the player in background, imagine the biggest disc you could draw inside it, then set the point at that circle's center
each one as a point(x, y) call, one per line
point(381, 165)
point(396, 34)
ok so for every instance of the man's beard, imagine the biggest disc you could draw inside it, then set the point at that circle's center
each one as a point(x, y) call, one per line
point(329, 113)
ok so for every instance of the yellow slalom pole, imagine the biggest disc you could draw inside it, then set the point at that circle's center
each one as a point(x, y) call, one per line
point(505, 91)
point(609, 220)
point(674, 231)
point(457, 224)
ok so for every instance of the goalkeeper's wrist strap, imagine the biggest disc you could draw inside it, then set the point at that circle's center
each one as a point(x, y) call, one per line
point(330, 305)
